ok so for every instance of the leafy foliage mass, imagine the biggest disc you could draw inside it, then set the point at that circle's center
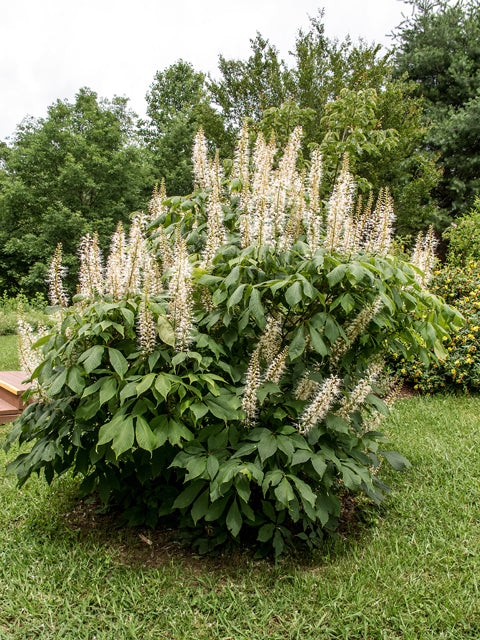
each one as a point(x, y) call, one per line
point(460, 370)
point(463, 237)
point(438, 48)
point(252, 407)
point(76, 171)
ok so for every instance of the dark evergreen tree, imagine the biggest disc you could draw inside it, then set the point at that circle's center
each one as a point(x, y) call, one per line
point(439, 48)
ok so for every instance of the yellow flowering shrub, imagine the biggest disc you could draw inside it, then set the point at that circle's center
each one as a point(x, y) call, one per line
point(460, 370)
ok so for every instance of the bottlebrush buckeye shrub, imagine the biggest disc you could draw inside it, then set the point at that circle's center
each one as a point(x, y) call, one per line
point(220, 369)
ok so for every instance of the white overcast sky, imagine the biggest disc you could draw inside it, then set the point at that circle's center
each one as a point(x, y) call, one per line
point(51, 48)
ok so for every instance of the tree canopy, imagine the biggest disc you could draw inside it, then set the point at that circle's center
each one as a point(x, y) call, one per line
point(438, 49)
point(77, 170)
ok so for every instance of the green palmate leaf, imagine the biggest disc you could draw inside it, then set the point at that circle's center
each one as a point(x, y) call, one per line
point(165, 330)
point(267, 446)
point(145, 383)
point(163, 384)
point(87, 410)
point(284, 492)
point(336, 274)
point(319, 464)
point(331, 329)
point(266, 389)
point(233, 277)
point(301, 457)
point(395, 459)
point(278, 543)
point(145, 437)
point(256, 308)
point(129, 390)
point(177, 432)
point(234, 519)
point(128, 316)
point(216, 509)
point(305, 491)
point(199, 410)
point(124, 438)
point(118, 361)
point(265, 532)
point(196, 465)
point(109, 430)
point(224, 407)
point(212, 466)
point(297, 346)
point(75, 380)
point(378, 403)
point(108, 390)
point(236, 296)
point(188, 495)
point(200, 506)
point(58, 383)
point(294, 294)
point(92, 358)
point(317, 342)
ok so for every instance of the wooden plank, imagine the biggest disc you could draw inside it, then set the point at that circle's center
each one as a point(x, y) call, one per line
point(14, 381)
point(7, 412)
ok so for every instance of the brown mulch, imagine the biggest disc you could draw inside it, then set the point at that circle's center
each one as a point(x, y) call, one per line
point(152, 549)
point(407, 391)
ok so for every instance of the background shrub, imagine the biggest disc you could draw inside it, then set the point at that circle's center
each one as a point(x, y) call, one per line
point(460, 370)
point(32, 310)
point(463, 237)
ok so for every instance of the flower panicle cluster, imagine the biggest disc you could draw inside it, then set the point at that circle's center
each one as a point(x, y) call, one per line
point(270, 340)
point(375, 420)
point(241, 164)
point(321, 404)
point(371, 231)
point(279, 203)
point(201, 172)
point(181, 297)
point(115, 268)
point(91, 282)
point(357, 397)
point(216, 234)
point(258, 208)
point(306, 387)
point(313, 217)
point(156, 206)
point(339, 209)
point(146, 329)
point(267, 353)
point(135, 257)
point(286, 185)
point(252, 382)
point(277, 367)
point(30, 357)
point(424, 256)
point(56, 273)
point(353, 330)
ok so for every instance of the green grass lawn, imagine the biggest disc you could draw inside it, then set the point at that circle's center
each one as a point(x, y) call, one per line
point(410, 571)
point(8, 353)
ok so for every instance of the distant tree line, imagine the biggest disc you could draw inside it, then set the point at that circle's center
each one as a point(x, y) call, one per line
point(409, 119)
